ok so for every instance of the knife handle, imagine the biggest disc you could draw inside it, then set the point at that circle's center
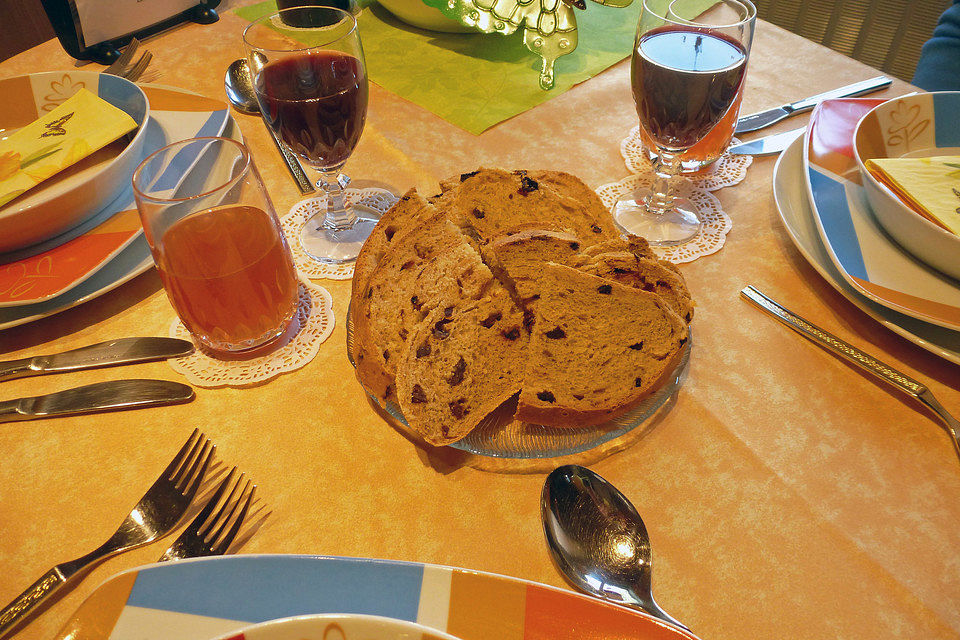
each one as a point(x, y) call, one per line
point(293, 165)
point(11, 369)
point(849, 91)
point(10, 411)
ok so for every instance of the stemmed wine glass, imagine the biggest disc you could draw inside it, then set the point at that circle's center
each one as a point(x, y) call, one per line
point(687, 69)
point(311, 82)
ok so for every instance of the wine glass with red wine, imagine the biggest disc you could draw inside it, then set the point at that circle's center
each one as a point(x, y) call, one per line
point(311, 82)
point(686, 71)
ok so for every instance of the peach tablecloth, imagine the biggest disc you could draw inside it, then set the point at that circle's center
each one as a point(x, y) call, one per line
point(786, 494)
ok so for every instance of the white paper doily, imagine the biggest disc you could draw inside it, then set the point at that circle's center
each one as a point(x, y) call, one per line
point(316, 321)
point(372, 198)
point(716, 223)
point(727, 171)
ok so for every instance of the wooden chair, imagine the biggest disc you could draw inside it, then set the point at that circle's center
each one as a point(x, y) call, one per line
point(886, 34)
point(24, 25)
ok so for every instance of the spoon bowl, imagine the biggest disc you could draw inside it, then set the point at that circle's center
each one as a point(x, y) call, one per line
point(238, 84)
point(598, 540)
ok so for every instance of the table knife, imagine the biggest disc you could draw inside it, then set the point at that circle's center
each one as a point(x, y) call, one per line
point(113, 352)
point(756, 121)
point(767, 145)
point(101, 396)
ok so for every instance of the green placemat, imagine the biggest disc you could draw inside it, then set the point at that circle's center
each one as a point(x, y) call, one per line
point(478, 80)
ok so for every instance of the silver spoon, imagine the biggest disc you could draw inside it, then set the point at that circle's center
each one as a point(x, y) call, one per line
point(598, 540)
point(238, 83)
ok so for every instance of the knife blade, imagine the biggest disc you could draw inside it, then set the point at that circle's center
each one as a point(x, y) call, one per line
point(756, 121)
point(101, 396)
point(113, 352)
point(767, 145)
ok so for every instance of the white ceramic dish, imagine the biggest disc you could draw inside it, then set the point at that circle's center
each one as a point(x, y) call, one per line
point(915, 126)
point(798, 218)
point(67, 199)
point(337, 626)
point(416, 13)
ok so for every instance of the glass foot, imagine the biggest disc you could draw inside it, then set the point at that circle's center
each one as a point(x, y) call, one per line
point(336, 245)
point(675, 226)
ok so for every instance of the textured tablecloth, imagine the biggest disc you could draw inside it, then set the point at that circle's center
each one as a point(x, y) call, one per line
point(786, 494)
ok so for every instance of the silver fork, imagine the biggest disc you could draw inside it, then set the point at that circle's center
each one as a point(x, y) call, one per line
point(211, 532)
point(122, 67)
point(157, 513)
point(133, 73)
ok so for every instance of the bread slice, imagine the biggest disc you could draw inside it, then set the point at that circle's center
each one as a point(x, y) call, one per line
point(420, 270)
point(461, 363)
point(643, 273)
point(497, 203)
point(408, 212)
point(518, 259)
point(596, 350)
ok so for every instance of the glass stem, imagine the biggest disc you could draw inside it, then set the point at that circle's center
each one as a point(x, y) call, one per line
point(337, 217)
point(665, 167)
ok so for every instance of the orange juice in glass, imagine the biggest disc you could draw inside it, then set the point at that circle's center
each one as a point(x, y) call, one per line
point(221, 254)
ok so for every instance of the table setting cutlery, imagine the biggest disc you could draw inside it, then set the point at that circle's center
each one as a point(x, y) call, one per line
point(238, 85)
point(103, 354)
point(768, 145)
point(113, 395)
point(598, 540)
point(842, 349)
point(762, 119)
point(156, 514)
point(124, 66)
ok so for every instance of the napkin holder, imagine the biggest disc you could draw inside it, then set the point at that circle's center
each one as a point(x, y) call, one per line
point(65, 17)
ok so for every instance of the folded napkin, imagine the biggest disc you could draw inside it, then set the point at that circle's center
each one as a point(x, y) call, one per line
point(81, 125)
point(929, 186)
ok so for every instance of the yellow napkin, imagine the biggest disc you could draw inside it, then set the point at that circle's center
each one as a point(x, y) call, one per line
point(83, 124)
point(929, 186)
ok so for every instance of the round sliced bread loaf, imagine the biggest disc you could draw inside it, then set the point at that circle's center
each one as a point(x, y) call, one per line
point(461, 363)
point(419, 271)
point(596, 350)
point(643, 273)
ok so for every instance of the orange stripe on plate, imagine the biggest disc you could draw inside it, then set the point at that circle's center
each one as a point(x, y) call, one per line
point(122, 222)
point(938, 310)
point(97, 616)
point(167, 100)
point(479, 611)
point(19, 108)
point(558, 615)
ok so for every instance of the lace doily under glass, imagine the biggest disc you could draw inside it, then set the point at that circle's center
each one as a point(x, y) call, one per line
point(727, 171)
point(373, 199)
point(716, 223)
point(500, 436)
point(316, 321)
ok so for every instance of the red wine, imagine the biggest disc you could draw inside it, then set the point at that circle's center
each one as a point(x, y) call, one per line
point(317, 103)
point(684, 81)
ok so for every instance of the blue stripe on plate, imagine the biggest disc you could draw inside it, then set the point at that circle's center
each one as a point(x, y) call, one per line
point(830, 199)
point(213, 125)
point(122, 94)
point(258, 589)
point(189, 154)
point(946, 110)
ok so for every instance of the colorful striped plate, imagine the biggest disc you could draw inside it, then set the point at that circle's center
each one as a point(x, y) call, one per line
point(867, 258)
point(72, 269)
point(208, 597)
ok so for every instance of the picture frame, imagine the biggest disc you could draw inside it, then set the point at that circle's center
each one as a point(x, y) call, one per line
point(72, 29)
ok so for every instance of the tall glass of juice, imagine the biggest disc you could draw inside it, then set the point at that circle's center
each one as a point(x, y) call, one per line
point(217, 243)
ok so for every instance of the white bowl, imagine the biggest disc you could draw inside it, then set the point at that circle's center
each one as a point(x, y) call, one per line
point(67, 199)
point(337, 626)
point(416, 13)
point(916, 126)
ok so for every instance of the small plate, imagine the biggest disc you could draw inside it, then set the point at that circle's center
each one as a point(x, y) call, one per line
point(793, 205)
point(866, 257)
point(500, 436)
point(203, 598)
point(175, 114)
